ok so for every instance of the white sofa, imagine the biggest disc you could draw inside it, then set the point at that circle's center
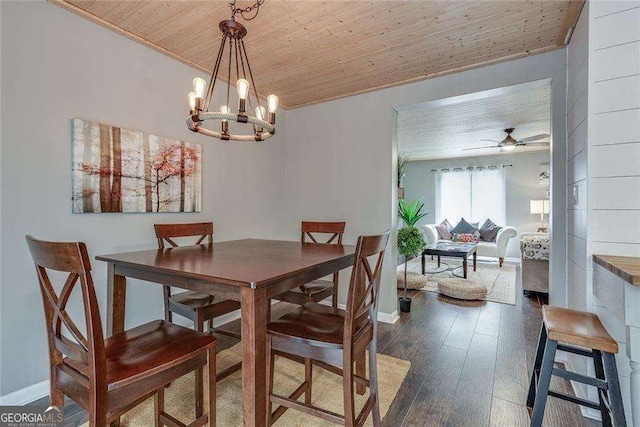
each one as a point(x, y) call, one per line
point(496, 249)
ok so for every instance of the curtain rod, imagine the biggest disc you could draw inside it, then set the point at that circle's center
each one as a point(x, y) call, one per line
point(469, 168)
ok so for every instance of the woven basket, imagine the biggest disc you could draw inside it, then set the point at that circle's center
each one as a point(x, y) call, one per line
point(462, 289)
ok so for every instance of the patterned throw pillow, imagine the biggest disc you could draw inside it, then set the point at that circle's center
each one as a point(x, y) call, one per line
point(444, 230)
point(466, 237)
point(489, 231)
point(464, 227)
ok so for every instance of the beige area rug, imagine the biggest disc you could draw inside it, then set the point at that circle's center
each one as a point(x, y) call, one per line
point(327, 393)
point(500, 281)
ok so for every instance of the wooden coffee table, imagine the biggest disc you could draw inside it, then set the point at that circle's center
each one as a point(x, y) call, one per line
point(455, 250)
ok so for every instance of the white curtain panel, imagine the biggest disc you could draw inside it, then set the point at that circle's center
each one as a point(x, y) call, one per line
point(475, 194)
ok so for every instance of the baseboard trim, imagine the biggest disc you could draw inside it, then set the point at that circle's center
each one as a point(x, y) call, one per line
point(26, 395)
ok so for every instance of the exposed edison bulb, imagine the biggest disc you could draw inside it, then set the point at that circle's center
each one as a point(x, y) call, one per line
point(243, 88)
point(261, 113)
point(272, 103)
point(225, 110)
point(508, 147)
point(192, 100)
point(198, 87)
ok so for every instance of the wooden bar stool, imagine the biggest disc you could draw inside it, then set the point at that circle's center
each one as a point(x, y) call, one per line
point(334, 339)
point(580, 333)
point(109, 377)
point(199, 308)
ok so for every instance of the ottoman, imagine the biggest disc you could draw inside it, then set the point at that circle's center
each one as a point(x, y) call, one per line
point(534, 263)
point(462, 289)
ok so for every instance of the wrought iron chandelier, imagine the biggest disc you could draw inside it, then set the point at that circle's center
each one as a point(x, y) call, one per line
point(233, 34)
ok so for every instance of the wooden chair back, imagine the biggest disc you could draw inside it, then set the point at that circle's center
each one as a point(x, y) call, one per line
point(364, 287)
point(166, 233)
point(311, 229)
point(86, 351)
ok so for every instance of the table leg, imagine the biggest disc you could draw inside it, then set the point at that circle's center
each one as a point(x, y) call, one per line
point(423, 264)
point(116, 301)
point(438, 261)
point(475, 261)
point(464, 267)
point(254, 357)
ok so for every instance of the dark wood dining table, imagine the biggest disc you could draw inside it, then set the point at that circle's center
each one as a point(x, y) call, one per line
point(250, 271)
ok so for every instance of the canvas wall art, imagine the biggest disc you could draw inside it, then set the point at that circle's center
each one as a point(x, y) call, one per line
point(121, 170)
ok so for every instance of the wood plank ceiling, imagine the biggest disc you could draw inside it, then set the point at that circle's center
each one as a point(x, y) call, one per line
point(445, 131)
point(312, 51)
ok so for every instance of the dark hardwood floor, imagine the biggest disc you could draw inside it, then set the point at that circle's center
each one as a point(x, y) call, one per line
point(470, 365)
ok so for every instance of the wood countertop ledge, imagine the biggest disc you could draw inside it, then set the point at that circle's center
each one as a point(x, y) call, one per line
point(627, 268)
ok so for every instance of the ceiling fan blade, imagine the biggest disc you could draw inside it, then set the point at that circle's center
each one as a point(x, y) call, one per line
point(536, 143)
point(481, 148)
point(489, 140)
point(534, 137)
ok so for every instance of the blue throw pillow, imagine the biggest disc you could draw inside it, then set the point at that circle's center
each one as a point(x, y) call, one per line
point(489, 231)
point(464, 227)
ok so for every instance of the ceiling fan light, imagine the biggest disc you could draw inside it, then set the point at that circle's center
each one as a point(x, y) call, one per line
point(508, 147)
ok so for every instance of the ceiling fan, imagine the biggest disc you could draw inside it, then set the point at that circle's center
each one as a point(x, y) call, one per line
point(509, 142)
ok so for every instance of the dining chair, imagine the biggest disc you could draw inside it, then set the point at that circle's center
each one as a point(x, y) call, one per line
point(334, 339)
point(322, 289)
point(109, 377)
point(197, 307)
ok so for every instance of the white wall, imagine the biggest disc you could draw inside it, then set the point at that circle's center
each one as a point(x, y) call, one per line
point(577, 155)
point(57, 66)
point(522, 185)
point(341, 155)
point(614, 157)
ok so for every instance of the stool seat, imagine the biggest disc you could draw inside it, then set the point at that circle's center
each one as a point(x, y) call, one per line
point(578, 328)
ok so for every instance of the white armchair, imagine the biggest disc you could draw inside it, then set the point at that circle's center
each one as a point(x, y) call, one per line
point(496, 249)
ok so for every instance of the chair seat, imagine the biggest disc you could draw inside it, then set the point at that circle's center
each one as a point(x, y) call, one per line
point(315, 291)
point(146, 350)
point(193, 300)
point(313, 288)
point(320, 324)
point(578, 328)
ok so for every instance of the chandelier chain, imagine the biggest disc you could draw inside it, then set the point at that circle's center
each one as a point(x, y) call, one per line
point(246, 10)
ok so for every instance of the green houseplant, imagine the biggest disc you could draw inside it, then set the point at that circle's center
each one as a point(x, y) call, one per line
point(403, 158)
point(410, 241)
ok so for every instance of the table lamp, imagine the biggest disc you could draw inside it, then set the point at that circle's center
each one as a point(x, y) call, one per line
point(539, 207)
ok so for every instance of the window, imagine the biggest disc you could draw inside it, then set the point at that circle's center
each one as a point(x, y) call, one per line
point(475, 194)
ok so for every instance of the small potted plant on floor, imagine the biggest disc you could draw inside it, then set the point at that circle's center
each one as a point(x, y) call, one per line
point(410, 241)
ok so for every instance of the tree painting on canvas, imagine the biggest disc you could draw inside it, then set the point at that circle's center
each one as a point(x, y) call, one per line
point(121, 170)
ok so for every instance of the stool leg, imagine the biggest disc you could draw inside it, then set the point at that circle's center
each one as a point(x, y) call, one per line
point(543, 383)
point(615, 396)
point(537, 363)
point(602, 394)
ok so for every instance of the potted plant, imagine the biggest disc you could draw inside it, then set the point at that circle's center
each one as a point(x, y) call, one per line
point(403, 158)
point(410, 241)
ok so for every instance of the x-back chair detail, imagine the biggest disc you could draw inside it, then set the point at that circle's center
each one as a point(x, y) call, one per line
point(334, 339)
point(197, 307)
point(109, 377)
